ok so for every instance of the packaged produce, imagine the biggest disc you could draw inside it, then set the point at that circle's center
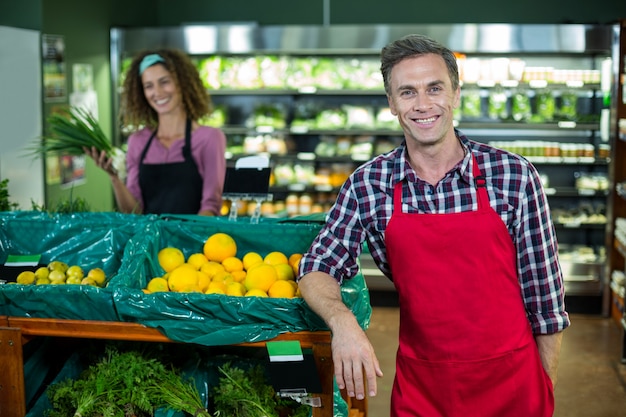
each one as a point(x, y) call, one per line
point(472, 105)
point(568, 105)
point(497, 108)
point(520, 106)
point(545, 106)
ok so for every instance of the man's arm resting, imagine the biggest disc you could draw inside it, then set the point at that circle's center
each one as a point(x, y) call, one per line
point(351, 349)
point(549, 350)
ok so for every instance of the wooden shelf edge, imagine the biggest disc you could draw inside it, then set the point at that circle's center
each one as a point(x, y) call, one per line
point(128, 331)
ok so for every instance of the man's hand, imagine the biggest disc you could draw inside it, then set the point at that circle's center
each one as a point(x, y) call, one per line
point(356, 365)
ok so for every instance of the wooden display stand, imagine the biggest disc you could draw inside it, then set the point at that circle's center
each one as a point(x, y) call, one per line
point(15, 332)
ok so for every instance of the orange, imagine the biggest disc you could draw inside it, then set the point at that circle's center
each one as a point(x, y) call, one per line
point(275, 258)
point(211, 268)
point(170, 258)
point(157, 284)
point(294, 259)
point(197, 260)
point(284, 271)
point(219, 246)
point(260, 277)
point(281, 289)
point(251, 259)
point(183, 279)
point(232, 263)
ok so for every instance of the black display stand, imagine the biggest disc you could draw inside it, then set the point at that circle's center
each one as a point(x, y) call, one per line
point(247, 183)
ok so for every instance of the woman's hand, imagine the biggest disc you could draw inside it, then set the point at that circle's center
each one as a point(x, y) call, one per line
point(102, 160)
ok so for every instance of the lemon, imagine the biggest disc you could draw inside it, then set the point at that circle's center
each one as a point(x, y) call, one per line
point(170, 258)
point(41, 273)
point(255, 292)
point(275, 258)
point(98, 275)
point(88, 281)
point(75, 271)
point(232, 263)
point(211, 268)
point(261, 277)
point(221, 286)
point(235, 289)
point(42, 281)
point(57, 265)
point(183, 279)
point(197, 260)
point(157, 284)
point(203, 281)
point(251, 259)
point(56, 277)
point(284, 271)
point(238, 276)
point(73, 279)
point(219, 246)
point(214, 290)
point(25, 277)
point(282, 289)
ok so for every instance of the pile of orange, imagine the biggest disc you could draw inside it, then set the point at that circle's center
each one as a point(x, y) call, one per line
point(218, 270)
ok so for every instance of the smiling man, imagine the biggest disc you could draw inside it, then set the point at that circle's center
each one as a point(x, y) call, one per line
point(464, 232)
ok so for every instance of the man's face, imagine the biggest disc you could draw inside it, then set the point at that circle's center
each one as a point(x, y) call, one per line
point(422, 97)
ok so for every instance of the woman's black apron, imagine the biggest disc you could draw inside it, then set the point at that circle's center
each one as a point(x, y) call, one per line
point(171, 188)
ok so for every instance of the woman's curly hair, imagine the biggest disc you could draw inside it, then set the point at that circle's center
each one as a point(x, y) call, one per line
point(135, 109)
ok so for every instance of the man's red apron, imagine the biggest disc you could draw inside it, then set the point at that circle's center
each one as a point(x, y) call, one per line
point(466, 347)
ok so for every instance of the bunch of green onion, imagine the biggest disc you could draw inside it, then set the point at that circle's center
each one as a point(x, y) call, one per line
point(70, 133)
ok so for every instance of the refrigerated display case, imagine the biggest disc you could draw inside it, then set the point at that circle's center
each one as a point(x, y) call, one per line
point(533, 89)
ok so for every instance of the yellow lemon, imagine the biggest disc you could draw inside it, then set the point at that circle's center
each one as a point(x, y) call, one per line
point(58, 265)
point(236, 289)
point(183, 279)
point(56, 277)
point(203, 281)
point(281, 289)
point(197, 260)
point(261, 277)
point(219, 246)
point(26, 277)
point(42, 273)
point(170, 258)
point(88, 281)
point(216, 285)
point(214, 290)
point(275, 258)
point(238, 276)
point(42, 281)
point(232, 263)
point(98, 275)
point(251, 259)
point(75, 271)
point(284, 271)
point(157, 284)
point(211, 268)
point(73, 279)
point(255, 292)
point(294, 259)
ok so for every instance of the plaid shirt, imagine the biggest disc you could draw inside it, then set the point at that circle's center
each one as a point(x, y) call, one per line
point(365, 204)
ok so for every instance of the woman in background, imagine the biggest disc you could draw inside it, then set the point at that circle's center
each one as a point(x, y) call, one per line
point(174, 164)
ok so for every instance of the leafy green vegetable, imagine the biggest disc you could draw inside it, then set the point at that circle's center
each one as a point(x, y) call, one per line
point(5, 203)
point(124, 384)
point(246, 394)
point(70, 133)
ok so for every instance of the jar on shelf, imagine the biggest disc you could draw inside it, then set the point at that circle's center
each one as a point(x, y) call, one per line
point(292, 205)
